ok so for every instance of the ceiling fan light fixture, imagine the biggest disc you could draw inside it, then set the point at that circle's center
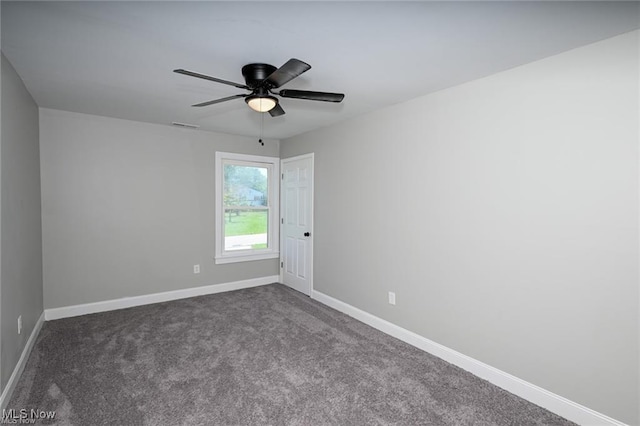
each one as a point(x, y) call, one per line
point(261, 103)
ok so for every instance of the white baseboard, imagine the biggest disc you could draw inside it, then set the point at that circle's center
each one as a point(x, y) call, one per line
point(535, 394)
point(128, 302)
point(7, 392)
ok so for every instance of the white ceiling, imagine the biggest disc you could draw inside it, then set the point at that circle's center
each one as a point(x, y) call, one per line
point(116, 58)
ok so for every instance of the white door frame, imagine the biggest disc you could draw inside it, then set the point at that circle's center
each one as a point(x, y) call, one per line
point(311, 219)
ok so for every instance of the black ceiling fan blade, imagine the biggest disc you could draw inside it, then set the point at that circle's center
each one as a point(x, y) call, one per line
point(277, 111)
point(206, 77)
point(287, 72)
point(312, 96)
point(217, 101)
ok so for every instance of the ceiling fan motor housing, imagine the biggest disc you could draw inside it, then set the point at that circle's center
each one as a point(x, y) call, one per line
point(255, 74)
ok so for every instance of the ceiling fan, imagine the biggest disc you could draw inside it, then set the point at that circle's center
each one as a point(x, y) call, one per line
point(261, 79)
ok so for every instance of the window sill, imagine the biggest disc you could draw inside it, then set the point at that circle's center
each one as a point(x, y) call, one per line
point(246, 257)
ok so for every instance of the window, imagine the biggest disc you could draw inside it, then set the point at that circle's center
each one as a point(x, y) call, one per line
point(246, 207)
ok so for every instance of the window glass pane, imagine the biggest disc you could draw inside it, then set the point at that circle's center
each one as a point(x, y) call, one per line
point(245, 229)
point(245, 185)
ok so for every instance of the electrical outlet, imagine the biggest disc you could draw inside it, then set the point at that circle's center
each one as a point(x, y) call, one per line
point(196, 269)
point(20, 324)
point(392, 298)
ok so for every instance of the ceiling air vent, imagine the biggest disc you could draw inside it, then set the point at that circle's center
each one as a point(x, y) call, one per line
point(187, 125)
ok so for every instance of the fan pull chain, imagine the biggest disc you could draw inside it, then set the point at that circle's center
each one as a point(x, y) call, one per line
point(261, 128)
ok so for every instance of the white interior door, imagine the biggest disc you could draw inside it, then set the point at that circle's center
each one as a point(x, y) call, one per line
point(296, 248)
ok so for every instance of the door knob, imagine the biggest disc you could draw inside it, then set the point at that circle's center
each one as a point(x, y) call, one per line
point(307, 234)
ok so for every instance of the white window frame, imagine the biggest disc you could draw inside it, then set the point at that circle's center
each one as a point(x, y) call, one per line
point(273, 233)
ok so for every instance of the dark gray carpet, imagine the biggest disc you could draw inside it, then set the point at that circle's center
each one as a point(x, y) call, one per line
point(260, 356)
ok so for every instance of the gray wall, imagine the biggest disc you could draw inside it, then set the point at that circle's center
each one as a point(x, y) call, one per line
point(21, 233)
point(504, 215)
point(128, 208)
